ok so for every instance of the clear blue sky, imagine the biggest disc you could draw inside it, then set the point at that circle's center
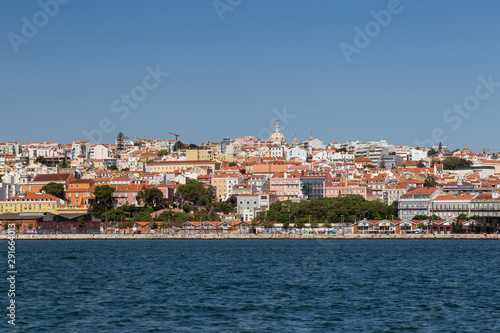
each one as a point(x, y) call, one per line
point(226, 76)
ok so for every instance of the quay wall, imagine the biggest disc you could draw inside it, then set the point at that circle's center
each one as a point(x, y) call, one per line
point(242, 236)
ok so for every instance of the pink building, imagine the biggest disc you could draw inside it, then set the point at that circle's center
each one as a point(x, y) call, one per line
point(125, 194)
point(286, 185)
point(347, 188)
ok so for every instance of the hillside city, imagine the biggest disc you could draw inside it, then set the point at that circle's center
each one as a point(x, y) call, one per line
point(247, 184)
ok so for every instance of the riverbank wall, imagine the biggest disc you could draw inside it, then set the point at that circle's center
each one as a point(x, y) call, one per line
point(244, 236)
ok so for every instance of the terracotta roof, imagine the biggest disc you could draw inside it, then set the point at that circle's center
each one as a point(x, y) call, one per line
point(47, 178)
point(33, 197)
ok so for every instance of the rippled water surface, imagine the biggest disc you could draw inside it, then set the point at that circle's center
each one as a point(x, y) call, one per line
point(256, 286)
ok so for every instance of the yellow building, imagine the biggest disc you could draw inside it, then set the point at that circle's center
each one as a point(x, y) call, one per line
point(227, 158)
point(4, 169)
point(31, 202)
point(73, 209)
point(224, 183)
point(201, 154)
point(171, 166)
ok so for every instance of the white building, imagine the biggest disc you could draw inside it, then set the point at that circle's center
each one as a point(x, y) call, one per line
point(277, 151)
point(98, 152)
point(296, 152)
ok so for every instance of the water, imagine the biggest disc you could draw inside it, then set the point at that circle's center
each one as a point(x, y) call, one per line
point(256, 286)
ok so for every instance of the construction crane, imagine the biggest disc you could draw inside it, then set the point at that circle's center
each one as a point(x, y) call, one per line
point(488, 150)
point(176, 136)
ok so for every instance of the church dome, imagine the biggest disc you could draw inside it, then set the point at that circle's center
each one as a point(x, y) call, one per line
point(277, 136)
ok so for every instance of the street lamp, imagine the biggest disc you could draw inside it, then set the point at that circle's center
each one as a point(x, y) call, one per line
point(342, 224)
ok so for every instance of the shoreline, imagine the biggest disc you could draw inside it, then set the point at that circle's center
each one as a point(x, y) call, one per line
point(246, 236)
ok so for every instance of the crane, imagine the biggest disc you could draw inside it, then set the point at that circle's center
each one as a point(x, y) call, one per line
point(176, 135)
point(488, 150)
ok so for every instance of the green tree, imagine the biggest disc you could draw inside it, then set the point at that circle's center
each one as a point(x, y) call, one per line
point(195, 192)
point(113, 167)
point(81, 223)
point(462, 217)
point(103, 199)
point(393, 209)
point(41, 160)
point(162, 152)
point(453, 163)
point(300, 223)
point(64, 164)
point(226, 207)
point(342, 150)
point(5, 225)
point(425, 217)
point(485, 227)
point(150, 196)
point(268, 224)
point(440, 147)
point(420, 164)
point(54, 189)
point(120, 142)
point(18, 225)
point(430, 181)
point(472, 227)
point(233, 164)
point(179, 146)
point(431, 152)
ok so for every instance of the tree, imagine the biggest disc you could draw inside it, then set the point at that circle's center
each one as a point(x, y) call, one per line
point(453, 163)
point(420, 164)
point(103, 199)
point(485, 227)
point(30, 226)
point(192, 146)
point(120, 142)
point(54, 189)
point(226, 207)
point(440, 147)
point(64, 164)
point(195, 192)
point(381, 164)
point(268, 224)
point(457, 227)
point(472, 227)
point(112, 167)
point(81, 223)
point(233, 164)
point(300, 223)
point(178, 146)
point(5, 225)
point(431, 152)
point(150, 196)
point(41, 160)
point(430, 181)
point(341, 150)
point(18, 225)
point(162, 152)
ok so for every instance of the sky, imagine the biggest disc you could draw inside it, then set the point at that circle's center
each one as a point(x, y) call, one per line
point(410, 72)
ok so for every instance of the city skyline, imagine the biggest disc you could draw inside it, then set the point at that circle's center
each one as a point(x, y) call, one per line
point(408, 72)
